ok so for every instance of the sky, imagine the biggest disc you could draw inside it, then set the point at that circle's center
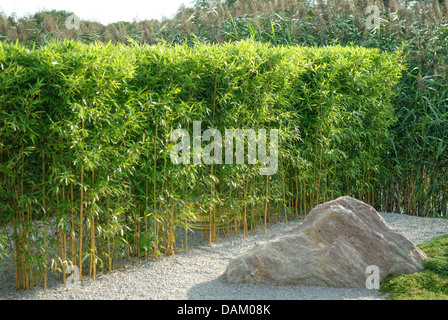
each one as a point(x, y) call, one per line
point(104, 11)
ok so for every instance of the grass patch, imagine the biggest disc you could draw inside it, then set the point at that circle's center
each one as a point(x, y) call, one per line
point(431, 283)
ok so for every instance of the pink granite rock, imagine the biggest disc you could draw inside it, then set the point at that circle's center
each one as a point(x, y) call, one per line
point(332, 247)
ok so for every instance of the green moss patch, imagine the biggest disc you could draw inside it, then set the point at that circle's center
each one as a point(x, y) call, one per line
point(431, 283)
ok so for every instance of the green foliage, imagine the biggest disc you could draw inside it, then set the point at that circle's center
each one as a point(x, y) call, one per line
point(85, 149)
point(415, 174)
point(146, 244)
point(4, 250)
point(431, 283)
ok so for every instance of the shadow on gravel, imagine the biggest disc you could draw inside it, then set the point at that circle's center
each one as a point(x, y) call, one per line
point(219, 289)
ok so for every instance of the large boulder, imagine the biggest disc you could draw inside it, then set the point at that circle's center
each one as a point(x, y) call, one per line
point(332, 247)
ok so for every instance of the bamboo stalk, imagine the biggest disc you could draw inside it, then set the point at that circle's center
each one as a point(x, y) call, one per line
point(31, 278)
point(109, 255)
point(162, 194)
point(72, 233)
point(18, 256)
point(305, 212)
point(297, 196)
point(212, 192)
point(81, 211)
point(186, 227)
point(24, 237)
point(146, 215)
point(156, 223)
point(284, 192)
point(211, 211)
point(170, 225)
point(266, 203)
point(44, 206)
point(61, 242)
point(92, 235)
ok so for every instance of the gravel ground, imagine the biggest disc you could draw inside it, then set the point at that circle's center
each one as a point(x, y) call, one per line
point(197, 274)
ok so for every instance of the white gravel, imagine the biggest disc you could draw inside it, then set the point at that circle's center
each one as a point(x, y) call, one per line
point(197, 275)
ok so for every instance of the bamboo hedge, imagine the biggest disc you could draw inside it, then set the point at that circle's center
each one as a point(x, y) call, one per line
point(416, 172)
point(85, 171)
